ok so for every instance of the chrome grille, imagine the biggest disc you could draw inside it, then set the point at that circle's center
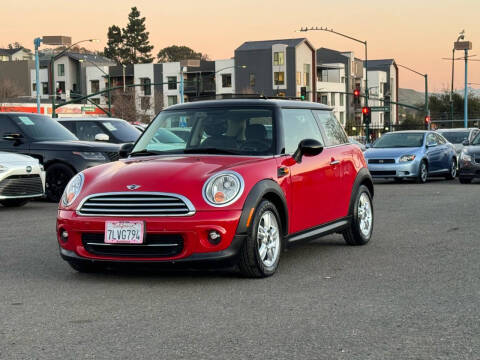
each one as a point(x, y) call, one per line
point(136, 204)
point(381, 161)
point(21, 185)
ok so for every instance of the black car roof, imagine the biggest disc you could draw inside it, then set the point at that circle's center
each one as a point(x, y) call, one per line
point(249, 102)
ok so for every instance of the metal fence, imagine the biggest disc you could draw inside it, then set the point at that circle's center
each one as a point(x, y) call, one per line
point(358, 132)
point(450, 124)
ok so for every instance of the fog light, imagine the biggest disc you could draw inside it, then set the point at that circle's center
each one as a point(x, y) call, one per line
point(64, 235)
point(214, 237)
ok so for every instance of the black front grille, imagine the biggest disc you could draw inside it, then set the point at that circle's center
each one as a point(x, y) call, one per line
point(136, 204)
point(155, 245)
point(113, 156)
point(381, 161)
point(383, 173)
point(21, 185)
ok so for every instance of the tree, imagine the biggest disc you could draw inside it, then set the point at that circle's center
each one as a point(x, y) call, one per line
point(15, 45)
point(123, 104)
point(114, 47)
point(176, 53)
point(137, 48)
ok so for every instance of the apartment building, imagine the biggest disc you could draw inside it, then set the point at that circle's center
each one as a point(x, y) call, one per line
point(276, 68)
point(16, 54)
point(331, 88)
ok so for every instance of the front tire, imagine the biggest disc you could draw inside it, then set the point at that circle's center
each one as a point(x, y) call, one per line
point(13, 202)
point(422, 172)
point(260, 253)
point(360, 229)
point(453, 170)
point(58, 176)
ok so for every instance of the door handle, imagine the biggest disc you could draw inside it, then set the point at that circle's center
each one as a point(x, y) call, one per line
point(335, 162)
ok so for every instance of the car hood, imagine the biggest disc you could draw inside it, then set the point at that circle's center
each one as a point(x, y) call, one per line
point(74, 145)
point(7, 158)
point(180, 174)
point(472, 149)
point(390, 152)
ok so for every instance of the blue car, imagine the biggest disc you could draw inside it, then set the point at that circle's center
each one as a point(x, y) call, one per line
point(414, 154)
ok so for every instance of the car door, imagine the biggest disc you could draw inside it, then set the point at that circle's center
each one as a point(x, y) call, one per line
point(434, 153)
point(8, 127)
point(312, 190)
point(446, 155)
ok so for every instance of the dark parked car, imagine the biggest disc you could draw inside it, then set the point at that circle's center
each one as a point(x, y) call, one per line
point(458, 136)
point(116, 131)
point(57, 149)
point(469, 165)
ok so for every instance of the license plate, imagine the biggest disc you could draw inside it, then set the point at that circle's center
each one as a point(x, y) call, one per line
point(124, 232)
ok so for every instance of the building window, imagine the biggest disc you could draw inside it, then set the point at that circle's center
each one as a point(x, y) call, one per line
point(94, 86)
point(342, 117)
point(227, 80)
point(61, 69)
point(342, 80)
point(44, 88)
point(299, 78)
point(332, 99)
point(324, 99)
point(145, 102)
point(172, 82)
point(279, 78)
point(281, 93)
point(278, 58)
point(252, 80)
point(306, 70)
point(172, 100)
point(34, 87)
point(341, 99)
point(147, 88)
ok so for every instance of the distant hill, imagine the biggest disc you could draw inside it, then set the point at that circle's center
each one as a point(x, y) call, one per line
point(410, 97)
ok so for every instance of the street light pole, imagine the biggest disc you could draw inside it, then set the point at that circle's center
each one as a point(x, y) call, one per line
point(465, 100)
point(427, 110)
point(52, 71)
point(37, 42)
point(364, 42)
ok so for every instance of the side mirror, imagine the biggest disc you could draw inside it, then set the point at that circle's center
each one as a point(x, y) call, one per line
point(307, 147)
point(102, 137)
point(12, 136)
point(125, 150)
point(465, 142)
point(432, 144)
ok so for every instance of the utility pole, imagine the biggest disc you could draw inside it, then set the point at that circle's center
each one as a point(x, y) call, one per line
point(37, 42)
point(465, 46)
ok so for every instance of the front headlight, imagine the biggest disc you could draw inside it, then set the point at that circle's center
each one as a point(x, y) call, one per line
point(406, 158)
point(223, 188)
point(3, 168)
point(72, 189)
point(91, 155)
point(466, 157)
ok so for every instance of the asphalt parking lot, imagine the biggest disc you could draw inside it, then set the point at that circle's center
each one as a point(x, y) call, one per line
point(412, 293)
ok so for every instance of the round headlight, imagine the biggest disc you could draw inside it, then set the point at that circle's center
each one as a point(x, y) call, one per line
point(223, 188)
point(72, 189)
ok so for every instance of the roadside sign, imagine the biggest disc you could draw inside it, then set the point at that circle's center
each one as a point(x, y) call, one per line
point(380, 108)
point(88, 108)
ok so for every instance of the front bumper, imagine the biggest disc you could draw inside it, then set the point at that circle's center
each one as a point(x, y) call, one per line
point(193, 230)
point(14, 175)
point(469, 169)
point(394, 170)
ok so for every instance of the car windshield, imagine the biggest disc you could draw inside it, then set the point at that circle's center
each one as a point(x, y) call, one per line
point(122, 130)
point(238, 131)
point(42, 128)
point(455, 137)
point(395, 140)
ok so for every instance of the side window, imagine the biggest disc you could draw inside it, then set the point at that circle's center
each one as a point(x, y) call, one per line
point(7, 127)
point(440, 139)
point(70, 125)
point(431, 139)
point(86, 130)
point(334, 133)
point(298, 125)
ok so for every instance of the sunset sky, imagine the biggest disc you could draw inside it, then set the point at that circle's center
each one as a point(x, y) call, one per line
point(416, 33)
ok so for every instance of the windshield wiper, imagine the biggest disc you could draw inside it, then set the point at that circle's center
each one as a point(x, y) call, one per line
point(208, 150)
point(146, 153)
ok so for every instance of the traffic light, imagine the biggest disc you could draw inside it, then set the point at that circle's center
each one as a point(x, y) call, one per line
point(356, 96)
point(427, 122)
point(367, 115)
point(303, 92)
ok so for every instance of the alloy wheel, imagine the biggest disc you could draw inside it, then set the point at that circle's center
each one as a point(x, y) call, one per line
point(364, 214)
point(268, 239)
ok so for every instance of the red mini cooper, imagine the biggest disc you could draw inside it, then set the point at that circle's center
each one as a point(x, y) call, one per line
point(251, 178)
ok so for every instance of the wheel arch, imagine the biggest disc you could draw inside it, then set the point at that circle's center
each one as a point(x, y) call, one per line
point(271, 191)
point(56, 161)
point(363, 178)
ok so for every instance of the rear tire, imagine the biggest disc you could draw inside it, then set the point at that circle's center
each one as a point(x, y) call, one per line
point(422, 172)
point(58, 176)
point(13, 202)
point(84, 267)
point(464, 180)
point(260, 253)
point(452, 174)
point(360, 229)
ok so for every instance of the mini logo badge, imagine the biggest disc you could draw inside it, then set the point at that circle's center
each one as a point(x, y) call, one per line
point(29, 169)
point(133, 187)
point(380, 161)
